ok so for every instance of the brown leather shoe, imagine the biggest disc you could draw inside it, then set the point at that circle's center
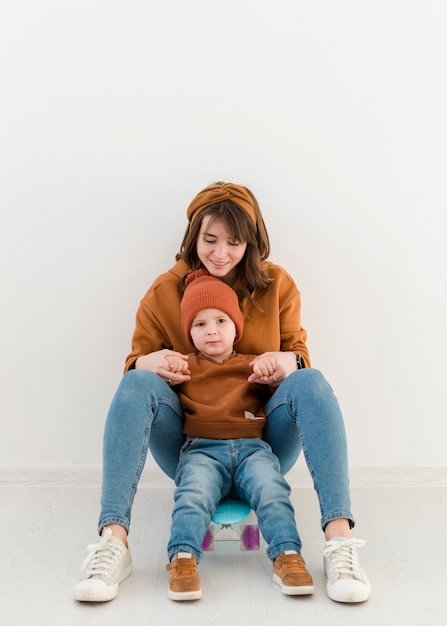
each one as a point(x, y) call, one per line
point(184, 580)
point(290, 573)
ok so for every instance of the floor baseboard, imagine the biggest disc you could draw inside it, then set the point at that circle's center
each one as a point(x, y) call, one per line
point(298, 477)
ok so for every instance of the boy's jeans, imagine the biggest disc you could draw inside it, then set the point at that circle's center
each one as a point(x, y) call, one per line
point(208, 470)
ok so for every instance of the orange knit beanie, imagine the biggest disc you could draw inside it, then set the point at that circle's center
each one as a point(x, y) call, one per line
point(204, 291)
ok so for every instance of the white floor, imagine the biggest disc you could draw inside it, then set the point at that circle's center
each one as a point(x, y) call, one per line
point(48, 518)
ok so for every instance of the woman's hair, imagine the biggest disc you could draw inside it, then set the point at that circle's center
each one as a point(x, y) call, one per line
point(253, 279)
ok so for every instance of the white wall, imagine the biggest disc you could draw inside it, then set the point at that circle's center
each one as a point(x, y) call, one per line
point(114, 114)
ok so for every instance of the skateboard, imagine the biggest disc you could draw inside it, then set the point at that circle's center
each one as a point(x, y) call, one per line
point(226, 518)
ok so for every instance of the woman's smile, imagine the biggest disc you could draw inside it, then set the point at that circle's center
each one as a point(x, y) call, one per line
point(218, 251)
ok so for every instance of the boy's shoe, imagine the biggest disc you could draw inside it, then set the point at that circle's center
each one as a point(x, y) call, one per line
point(346, 581)
point(184, 580)
point(107, 564)
point(290, 573)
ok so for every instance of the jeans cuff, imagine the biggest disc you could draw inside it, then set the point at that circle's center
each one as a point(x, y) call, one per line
point(338, 515)
point(184, 548)
point(113, 520)
point(274, 552)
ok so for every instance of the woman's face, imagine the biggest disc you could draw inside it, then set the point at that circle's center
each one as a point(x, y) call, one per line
point(219, 253)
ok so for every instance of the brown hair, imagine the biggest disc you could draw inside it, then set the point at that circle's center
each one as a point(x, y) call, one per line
point(253, 279)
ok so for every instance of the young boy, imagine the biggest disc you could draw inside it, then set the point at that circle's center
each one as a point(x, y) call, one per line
point(224, 452)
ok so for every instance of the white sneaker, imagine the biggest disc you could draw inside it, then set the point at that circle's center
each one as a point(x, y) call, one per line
point(346, 581)
point(107, 564)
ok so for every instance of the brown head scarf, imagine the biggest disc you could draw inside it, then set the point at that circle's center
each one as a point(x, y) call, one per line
point(217, 193)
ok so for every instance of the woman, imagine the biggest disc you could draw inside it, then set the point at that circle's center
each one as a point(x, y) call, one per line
point(226, 234)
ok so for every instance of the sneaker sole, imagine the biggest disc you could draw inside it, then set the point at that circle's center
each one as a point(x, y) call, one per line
point(295, 590)
point(345, 594)
point(180, 596)
point(99, 592)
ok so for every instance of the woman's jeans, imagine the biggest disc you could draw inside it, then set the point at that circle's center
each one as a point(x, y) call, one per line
point(303, 414)
point(209, 470)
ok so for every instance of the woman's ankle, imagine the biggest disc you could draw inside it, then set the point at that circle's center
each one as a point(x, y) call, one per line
point(117, 531)
point(337, 528)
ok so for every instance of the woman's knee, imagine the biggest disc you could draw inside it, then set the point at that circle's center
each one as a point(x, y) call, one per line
point(137, 384)
point(311, 376)
point(135, 379)
point(308, 382)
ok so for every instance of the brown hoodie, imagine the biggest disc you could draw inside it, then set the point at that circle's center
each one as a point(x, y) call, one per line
point(218, 402)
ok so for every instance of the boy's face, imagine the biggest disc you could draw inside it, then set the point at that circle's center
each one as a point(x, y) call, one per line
point(213, 333)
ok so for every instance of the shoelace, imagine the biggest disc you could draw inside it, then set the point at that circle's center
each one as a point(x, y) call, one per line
point(103, 557)
point(344, 555)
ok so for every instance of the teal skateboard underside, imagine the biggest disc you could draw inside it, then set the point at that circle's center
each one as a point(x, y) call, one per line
point(230, 511)
point(226, 526)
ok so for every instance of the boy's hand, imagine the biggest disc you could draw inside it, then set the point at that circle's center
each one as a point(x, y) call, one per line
point(171, 366)
point(177, 364)
point(271, 368)
point(264, 367)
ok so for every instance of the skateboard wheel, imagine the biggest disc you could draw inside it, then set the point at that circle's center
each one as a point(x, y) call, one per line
point(208, 540)
point(250, 539)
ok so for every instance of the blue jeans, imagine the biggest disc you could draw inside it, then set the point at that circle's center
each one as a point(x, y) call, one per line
point(209, 470)
point(302, 415)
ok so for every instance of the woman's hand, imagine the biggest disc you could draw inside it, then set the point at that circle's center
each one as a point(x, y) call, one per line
point(171, 366)
point(271, 368)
